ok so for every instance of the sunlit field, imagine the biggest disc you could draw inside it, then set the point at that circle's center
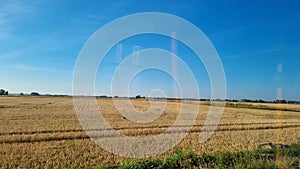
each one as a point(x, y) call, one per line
point(44, 131)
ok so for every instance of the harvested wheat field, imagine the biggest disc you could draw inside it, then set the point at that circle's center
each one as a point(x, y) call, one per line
point(44, 132)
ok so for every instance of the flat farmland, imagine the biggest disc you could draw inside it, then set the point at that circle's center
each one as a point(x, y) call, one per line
point(44, 132)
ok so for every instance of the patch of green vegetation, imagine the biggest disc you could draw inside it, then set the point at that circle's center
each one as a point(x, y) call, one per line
point(288, 157)
point(261, 107)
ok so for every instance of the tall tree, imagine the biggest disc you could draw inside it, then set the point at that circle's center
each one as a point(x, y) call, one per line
point(2, 92)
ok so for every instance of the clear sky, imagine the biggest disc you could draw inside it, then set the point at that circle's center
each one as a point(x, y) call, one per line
point(257, 41)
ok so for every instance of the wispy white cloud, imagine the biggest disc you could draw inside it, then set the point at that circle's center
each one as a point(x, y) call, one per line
point(4, 25)
point(14, 8)
point(10, 55)
point(270, 50)
point(223, 35)
point(36, 69)
point(186, 8)
point(3, 19)
point(10, 13)
point(267, 52)
point(277, 50)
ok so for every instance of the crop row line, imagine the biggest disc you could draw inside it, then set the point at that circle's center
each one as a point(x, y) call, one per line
point(138, 133)
point(137, 127)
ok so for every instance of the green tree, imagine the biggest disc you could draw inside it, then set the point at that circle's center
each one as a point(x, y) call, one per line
point(34, 94)
point(3, 92)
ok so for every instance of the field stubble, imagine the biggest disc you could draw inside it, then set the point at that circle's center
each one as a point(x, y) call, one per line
point(44, 131)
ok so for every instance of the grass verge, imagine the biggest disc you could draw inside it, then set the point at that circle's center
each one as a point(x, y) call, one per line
point(288, 157)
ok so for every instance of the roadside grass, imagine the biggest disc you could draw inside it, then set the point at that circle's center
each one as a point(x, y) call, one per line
point(258, 106)
point(272, 158)
point(262, 107)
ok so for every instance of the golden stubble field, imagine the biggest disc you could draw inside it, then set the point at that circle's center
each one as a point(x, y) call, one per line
point(44, 132)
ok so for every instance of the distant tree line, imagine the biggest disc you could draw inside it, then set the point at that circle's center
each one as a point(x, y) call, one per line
point(31, 94)
point(256, 101)
point(34, 94)
point(3, 92)
point(275, 101)
point(140, 97)
point(242, 100)
point(219, 100)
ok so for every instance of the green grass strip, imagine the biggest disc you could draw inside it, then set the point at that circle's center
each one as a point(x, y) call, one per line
point(288, 157)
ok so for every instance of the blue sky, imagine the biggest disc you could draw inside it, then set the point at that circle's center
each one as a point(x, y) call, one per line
point(257, 41)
